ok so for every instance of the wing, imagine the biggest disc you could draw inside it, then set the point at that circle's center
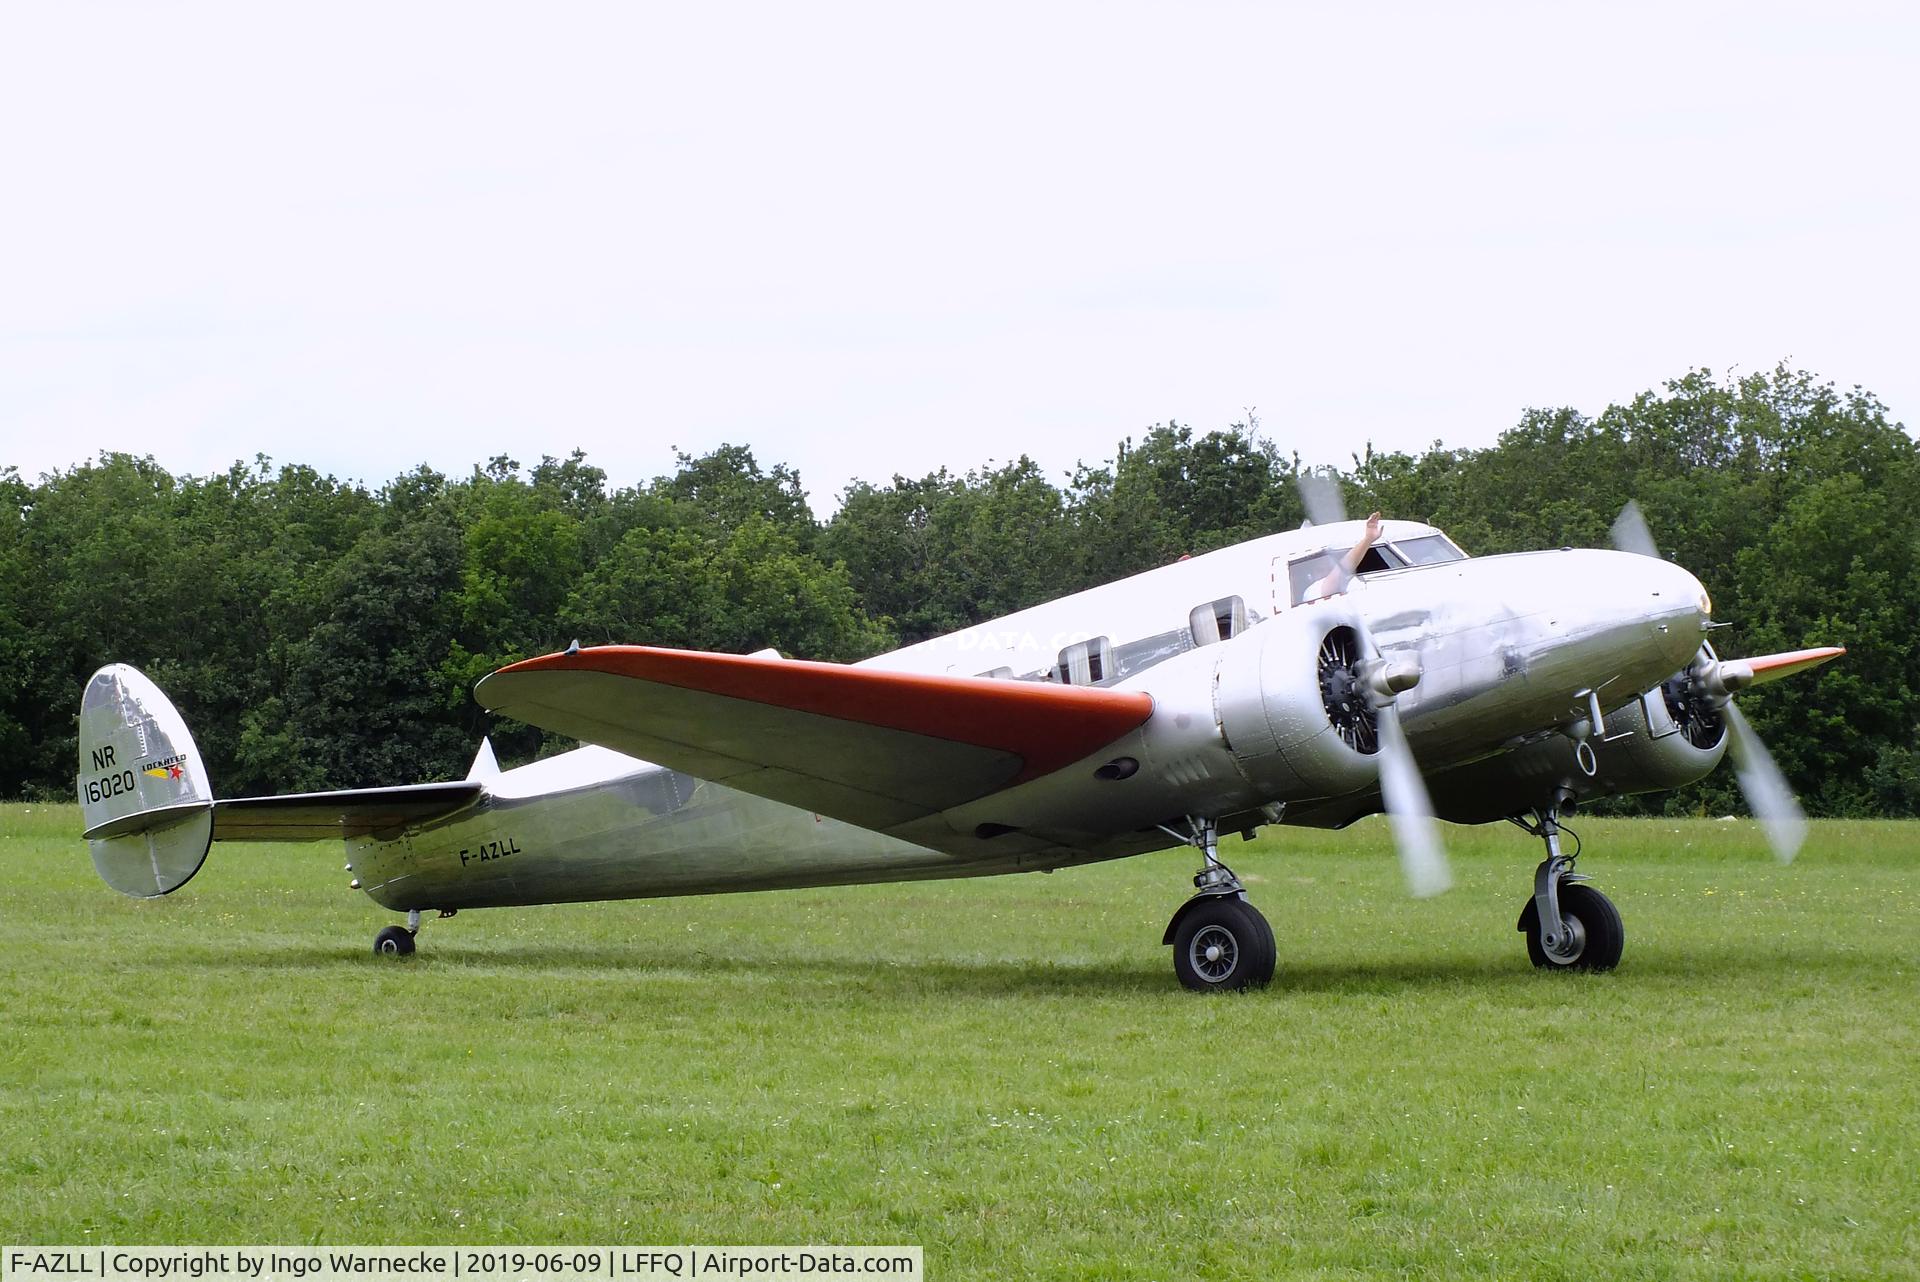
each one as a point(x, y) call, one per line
point(356, 812)
point(870, 747)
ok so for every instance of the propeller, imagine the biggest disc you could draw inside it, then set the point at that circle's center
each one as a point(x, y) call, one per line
point(1380, 681)
point(1404, 794)
point(1630, 532)
point(1715, 680)
point(1409, 811)
point(1767, 793)
point(1321, 496)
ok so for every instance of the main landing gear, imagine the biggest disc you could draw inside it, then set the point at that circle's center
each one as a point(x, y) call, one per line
point(1568, 924)
point(1220, 941)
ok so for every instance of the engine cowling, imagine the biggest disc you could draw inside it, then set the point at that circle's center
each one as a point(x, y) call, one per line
point(1291, 708)
point(1676, 737)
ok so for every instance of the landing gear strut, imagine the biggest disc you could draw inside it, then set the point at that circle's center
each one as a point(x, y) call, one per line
point(1220, 941)
point(397, 941)
point(1568, 924)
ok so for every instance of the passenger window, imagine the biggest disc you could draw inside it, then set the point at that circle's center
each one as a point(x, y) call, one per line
point(996, 673)
point(1220, 620)
point(1088, 663)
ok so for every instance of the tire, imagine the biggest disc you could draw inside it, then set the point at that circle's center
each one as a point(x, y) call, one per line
point(1223, 944)
point(393, 941)
point(1595, 917)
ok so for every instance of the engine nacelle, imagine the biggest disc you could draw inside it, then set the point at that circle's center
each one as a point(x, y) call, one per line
point(1664, 751)
point(1662, 739)
point(1295, 720)
point(1273, 713)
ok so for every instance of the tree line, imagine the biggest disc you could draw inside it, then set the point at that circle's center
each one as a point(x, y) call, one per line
point(318, 633)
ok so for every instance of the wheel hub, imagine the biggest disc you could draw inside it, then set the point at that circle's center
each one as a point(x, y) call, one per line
point(1566, 950)
point(1214, 952)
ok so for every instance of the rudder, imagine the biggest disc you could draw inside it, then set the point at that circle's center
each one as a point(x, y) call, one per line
point(144, 794)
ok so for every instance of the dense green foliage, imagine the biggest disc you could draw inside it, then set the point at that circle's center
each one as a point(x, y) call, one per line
point(320, 634)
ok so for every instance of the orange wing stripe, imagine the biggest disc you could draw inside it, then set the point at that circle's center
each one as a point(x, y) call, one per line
point(1047, 726)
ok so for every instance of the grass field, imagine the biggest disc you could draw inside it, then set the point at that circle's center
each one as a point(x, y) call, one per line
point(1002, 1071)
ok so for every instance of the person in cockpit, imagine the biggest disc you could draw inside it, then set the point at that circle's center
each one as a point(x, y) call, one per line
point(1336, 578)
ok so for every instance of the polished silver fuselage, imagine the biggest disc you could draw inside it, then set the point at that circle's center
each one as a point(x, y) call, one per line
point(1508, 646)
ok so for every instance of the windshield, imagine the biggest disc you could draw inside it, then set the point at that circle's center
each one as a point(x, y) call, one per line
point(1320, 574)
point(1428, 549)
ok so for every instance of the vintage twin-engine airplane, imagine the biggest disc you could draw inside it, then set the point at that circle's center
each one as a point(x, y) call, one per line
point(1297, 678)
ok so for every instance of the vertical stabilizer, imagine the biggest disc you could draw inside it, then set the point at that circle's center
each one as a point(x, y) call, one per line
point(144, 795)
point(485, 764)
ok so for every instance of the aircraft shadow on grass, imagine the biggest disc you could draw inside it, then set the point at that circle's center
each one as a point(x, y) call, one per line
point(1017, 977)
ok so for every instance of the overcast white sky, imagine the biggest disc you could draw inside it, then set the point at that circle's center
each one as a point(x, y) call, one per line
point(879, 239)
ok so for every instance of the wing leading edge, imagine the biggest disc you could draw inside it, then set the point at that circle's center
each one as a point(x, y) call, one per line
point(871, 747)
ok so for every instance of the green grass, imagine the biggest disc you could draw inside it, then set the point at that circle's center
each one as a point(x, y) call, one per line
point(1002, 1071)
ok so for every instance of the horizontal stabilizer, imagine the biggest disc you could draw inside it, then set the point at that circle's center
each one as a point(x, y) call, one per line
point(872, 747)
point(355, 812)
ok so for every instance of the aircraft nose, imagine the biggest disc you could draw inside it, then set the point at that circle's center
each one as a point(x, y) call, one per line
point(1678, 603)
point(1677, 587)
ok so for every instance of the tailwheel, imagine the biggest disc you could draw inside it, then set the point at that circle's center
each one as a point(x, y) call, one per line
point(1222, 943)
point(1593, 938)
point(393, 941)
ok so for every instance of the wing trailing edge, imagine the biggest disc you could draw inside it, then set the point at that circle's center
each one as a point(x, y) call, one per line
point(874, 747)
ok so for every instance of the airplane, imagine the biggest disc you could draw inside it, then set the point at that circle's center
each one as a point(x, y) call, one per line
point(1308, 677)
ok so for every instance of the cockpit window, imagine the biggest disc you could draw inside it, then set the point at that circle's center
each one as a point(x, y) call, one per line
point(1428, 549)
point(1307, 571)
point(1306, 577)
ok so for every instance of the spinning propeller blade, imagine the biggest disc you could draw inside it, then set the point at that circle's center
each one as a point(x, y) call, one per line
point(1766, 790)
point(1321, 495)
point(1408, 809)
point(1402, 792)
point(1630, 532)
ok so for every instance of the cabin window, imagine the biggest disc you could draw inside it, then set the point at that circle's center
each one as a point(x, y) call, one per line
point(1087, 663)
point(1220, 620)
point(996, 673)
